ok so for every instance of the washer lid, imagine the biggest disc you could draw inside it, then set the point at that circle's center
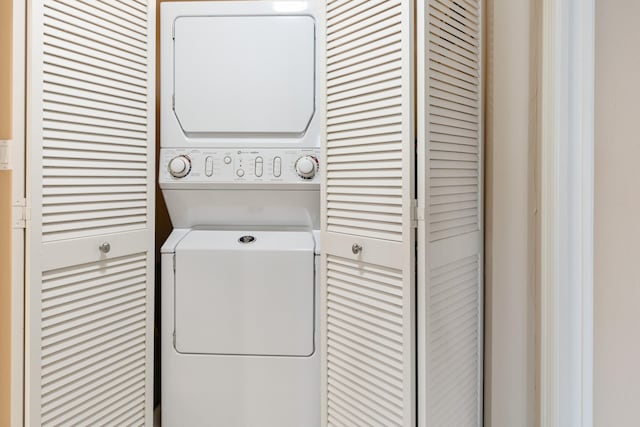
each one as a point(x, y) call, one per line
point(245, 293)
point(244, 75)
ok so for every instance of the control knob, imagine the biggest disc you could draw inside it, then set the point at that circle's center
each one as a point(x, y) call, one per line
point(180, 166)
point(306, 167)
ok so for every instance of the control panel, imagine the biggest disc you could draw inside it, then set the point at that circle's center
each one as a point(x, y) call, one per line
point(237, 166)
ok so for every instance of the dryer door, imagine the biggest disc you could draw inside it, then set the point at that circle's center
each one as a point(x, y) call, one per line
point(244, 75)
point(251, 296)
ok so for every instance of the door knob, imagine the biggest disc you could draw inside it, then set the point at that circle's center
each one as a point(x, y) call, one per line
point(105, 247)
point(356, 248)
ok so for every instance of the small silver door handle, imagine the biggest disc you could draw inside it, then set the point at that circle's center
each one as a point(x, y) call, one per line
point(105, 247)
point(356, 248)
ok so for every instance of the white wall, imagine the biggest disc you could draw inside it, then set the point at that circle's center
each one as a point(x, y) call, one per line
point(617, 214)
point(511, 201)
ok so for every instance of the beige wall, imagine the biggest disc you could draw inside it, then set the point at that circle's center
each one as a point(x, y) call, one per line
point(6, 23)
point(617, 214)
point(510, 212)
point(5, 214)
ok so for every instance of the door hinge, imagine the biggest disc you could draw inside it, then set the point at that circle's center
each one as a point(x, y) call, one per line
point(417, 213)
point(21, 214)
point(174, 263)
point(173, 101)
point(174, 339)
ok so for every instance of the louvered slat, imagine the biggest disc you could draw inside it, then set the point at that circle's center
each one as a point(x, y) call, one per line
point(364, 74)
point(454, 322)
point(94, 119)
point(93, 339)
point(364, 328)
point(454, 121)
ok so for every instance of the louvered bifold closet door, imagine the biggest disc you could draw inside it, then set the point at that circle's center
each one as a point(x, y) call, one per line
point(367, 314)
point(90, 187)
point(450, 236)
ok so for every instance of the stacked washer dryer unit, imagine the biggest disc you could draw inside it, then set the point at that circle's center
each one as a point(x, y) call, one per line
point(239, 172)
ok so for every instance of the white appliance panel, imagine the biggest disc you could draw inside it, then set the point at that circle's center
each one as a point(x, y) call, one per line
point(269, 192)
point(243, 208)
point(240, 166)
point(272, 56)
point(254, 298)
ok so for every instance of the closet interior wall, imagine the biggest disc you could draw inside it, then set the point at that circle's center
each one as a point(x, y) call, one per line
point(511, 215)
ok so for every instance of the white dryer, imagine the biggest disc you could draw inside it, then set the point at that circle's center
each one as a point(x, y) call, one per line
point(239, 171)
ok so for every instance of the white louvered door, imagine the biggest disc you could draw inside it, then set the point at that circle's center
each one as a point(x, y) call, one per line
point(367, 313)
point(90, 132)
point(450, 239)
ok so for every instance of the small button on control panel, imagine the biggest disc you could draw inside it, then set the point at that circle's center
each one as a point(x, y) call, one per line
point(208, 166)
point(277, 166)
point(259, 167)
point(202, 165)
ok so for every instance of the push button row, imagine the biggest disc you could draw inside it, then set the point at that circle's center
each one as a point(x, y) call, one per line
point(258, 168)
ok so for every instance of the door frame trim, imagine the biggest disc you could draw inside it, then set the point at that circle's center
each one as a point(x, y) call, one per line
point(566, 228)
point(20, 211)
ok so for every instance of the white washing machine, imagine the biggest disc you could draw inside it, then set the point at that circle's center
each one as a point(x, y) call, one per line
point(239, 171)
point(240, 329)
